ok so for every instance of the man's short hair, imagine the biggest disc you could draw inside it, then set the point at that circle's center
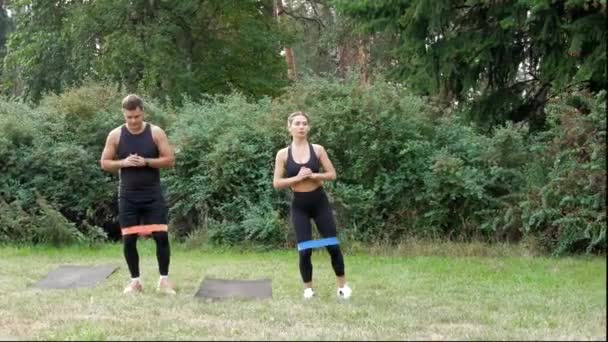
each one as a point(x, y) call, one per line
point(132, 101)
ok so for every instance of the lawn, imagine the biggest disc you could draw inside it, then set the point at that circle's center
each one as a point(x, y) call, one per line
point(412, 295)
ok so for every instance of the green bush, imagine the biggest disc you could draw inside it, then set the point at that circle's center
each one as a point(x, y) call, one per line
point(53, 151)
point(16, 225)
point(225, 151)
point(565, 207)
point(403, 169)
point(53, 228)
point(42, 225)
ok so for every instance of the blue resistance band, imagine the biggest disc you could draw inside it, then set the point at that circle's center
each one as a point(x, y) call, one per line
point(318, 243)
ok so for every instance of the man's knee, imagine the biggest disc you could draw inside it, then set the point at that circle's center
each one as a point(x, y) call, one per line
point(129, 240)
point(161, 238)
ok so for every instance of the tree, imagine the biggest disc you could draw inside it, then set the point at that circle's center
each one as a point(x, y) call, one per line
point(502, 57)
point(161, 48)
point(326, 42)
point(287, 50)
point(5, 27)
point(37, 56)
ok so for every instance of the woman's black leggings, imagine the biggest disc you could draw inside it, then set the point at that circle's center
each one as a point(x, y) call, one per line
point(315, 205)
point(163, 252)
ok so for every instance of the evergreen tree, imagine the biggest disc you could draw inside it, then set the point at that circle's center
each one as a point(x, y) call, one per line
point(504, 57)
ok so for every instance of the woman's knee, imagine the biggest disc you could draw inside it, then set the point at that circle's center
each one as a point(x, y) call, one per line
point(334, 250)
point(305, 254)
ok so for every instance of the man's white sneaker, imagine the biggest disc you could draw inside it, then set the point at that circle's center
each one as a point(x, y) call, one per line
point(308, 293)
point(133, 287)
point(344, 292)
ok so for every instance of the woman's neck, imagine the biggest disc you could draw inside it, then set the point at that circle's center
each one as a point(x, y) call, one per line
point(299, 142)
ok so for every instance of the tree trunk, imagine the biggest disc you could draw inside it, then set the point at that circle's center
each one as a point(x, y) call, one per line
point(363, 60)
point(291, 63)
point(290, 58)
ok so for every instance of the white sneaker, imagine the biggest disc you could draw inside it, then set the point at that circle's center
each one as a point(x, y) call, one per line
point(133, 287)
point(165, 286)
point(344, 292)
point(308, 293)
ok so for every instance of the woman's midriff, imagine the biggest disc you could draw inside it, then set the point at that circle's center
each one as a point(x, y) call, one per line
point(306, 185)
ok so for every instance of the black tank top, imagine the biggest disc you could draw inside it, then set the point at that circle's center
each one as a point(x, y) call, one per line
point(138, 179)
point(293, 168)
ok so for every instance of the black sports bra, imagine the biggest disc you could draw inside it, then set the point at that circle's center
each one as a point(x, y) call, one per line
point(293, 168)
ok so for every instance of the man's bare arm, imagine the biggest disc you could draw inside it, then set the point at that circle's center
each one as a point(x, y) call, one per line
point(108, 156)
point(166, 157)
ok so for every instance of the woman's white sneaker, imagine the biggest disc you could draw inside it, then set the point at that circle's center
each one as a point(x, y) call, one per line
point(308, 293)
point(344, 292)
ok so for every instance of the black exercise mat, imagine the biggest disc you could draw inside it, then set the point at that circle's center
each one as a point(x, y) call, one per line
point(71, 276)
point(224, 288)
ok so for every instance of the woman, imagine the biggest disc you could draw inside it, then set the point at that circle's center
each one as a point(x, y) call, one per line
point(301, 162)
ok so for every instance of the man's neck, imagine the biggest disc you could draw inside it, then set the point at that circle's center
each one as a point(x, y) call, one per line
point(139, 131)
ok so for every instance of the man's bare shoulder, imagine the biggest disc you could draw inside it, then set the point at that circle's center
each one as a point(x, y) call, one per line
point(115, 133)
point(156, 130)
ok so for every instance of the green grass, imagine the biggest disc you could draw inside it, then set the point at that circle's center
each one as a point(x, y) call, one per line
point(500, 294)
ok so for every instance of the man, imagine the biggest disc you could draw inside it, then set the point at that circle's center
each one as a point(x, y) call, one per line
point(137, 150)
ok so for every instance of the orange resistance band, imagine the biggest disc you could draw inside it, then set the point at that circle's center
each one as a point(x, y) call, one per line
point(144, 229)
